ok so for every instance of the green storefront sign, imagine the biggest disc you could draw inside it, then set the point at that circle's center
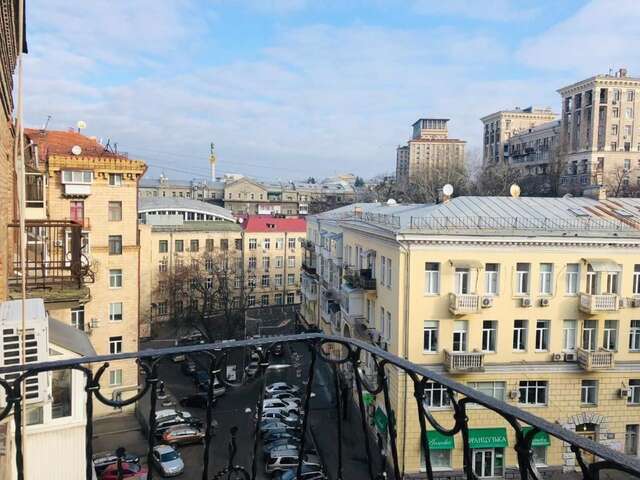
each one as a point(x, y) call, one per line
point(438, 441)
point(367, 398)
point(540, 439)
point(380, 419)
point(488, 437)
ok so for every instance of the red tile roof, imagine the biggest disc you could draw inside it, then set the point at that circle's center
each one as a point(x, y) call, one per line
point(52, 142)
point(267, 223)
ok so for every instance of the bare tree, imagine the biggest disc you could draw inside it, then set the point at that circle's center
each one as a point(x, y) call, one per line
point(425, 185)
point(618, 183)
point(496, 180)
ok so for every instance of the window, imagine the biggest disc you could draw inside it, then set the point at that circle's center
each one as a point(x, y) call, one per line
point(462, 280)
point(440, 459)
point(194, 245)
point(491, 272)
point(264, 300)
point(251, 282)
point(115, 244)
point(115, 278)
point(539, 454)
point(436, 396)
point(179, 245)
point(592, 281)
point(615, 111)
point(77, 317)
point(266, 243)
point(432, 278)
point(60, 393)
point(612, 282)
point(278, 280)
point(589, 392)
point(291, 262)
point(459, 336)
point(614, 129)
point(610, 335)
point(291, 279)
point(115, 312)
point(634, 392)
point(533, 392)
point(278, 299)
point(493, 389)
point(251, 301)
point(252, 263)
point(163, 265)
point(430, 336)
point(522, 278)
point(631, 439)
point(224, 245)
point(291, 242)
point(266, 261)
point(489, 335)
point(115, 211)
point(115, 377)
point(77, 176)
point(520, 335)
point(115, 344)
point(383, 266)
point(279, 243)
point(279, 262)
point(546, 278)
point(542, 335)
point(163, 246)
point(572, 277)
point(628, 112)
point(291, 298)
point(115, 179)
point(253, 243)
point(629, 95)
point(388, 272)
point(589, 334)
point(569, 335)
point(636, 279)
point(265, 281)
point(634, 336)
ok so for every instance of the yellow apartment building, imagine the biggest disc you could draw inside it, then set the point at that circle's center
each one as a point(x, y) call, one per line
point(534, 301)
point(88, 207)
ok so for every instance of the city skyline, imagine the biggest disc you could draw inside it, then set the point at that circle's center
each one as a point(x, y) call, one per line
point(331, 88)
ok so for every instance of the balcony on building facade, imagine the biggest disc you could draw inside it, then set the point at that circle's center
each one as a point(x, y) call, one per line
point(595, 360)
point(602, 303)
point(464, 303)
point(55, 265)
point(309, 261)
point(359, 278)
point(462, 362)
point(35, 206)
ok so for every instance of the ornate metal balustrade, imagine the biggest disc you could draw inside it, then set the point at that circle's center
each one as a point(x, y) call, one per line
point(346, 352)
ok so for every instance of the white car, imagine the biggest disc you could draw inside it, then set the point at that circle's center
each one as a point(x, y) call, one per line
point(286, 405)
point(284, 460)
point(170, 413)
point(167, 459)
point(280, 387)
point(290, 419)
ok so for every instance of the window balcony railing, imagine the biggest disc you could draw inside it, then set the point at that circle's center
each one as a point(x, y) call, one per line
point(461, 362)
point(347, 353)
point(593, 304)
point(360, 278)
point(595, 360)
point(462, 303)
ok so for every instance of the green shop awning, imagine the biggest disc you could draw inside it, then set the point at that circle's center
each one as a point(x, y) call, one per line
point(380, 419)
point(488, 437)
point(367, 398)
point(438, 441)
point(540, 439)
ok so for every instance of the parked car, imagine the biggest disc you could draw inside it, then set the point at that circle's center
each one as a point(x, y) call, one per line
point(273, 435)
point(102, 460)
point(285, 444)
point(252, 369)
point(167, 460)
point(129, 470)
point(285, 460)
point(193, 338)
point(290, 419)
point(268, 425)
point(189, 367)
point(197, 400)
point(183, 436)
point(292, 397)
point(287, 405)
point(309, 472)
point(162, 427)
point(201, 379)
point(171, 413)
point(280, 387)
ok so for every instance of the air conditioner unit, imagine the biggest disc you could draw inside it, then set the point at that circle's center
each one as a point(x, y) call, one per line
point(94, 323)
point(544, 302)
point(624, 393)
point(635, 302)
point(514, 394)
point(525, 302)
point(623, 302)
point(570, 357)
point(557, 357)
point(486, 302)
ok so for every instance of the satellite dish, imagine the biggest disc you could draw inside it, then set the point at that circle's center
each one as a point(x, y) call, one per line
point(81, 124)
point(76, 150)
point(514, 190)
point(447, 189)
point(391, 201)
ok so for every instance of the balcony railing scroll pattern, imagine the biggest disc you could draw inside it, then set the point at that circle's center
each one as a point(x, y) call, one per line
point(336, 351)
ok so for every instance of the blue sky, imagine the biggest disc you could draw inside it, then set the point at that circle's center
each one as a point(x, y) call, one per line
point(292, 88)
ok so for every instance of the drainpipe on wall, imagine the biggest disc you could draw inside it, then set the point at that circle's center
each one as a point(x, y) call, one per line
point(405, 347)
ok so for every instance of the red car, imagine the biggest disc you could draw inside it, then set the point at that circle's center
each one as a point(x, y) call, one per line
point(129, 470)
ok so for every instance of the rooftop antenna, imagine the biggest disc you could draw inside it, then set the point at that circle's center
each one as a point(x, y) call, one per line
point(81, 125)
point(46, 124)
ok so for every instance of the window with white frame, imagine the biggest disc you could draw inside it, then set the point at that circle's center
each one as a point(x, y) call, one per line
point(280, 262)
point(430, 336)
point(460, 336)
point(115, 312)
point(264, 281)
point(436, 396)
point(491, 275)
point(546, 278)
point(589, 392)
point(462, 280)
point(291, 242)
point(572, 278)
point(493, 389)
point(77, 317)
point(533, 392)
point(612, 282)
point(489, 335)
point(253, 261)
point(388, 326)
point(440, 459)
point(291, 261)
point(636, 279)
point(115, 179)
point(291, 278)
point(115, 278)
point(432, 278)
point(279, 243)
point(520, 335)
point(266, 243)
point(251, 301)
point(569, 335)
point(115, 344)
point(634, 392)
point(388, 280)
point(592, 281)
point(634, 336)
point(610, 335)
point(383, 269)
point(522, 278)
point(115, 377)
point(253, 243)
point(291, 298)
point(631, 439)
point(542, 335)
point(589, 334)
point(266, 262)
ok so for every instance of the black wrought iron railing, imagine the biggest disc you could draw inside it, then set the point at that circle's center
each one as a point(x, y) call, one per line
point(345, 352)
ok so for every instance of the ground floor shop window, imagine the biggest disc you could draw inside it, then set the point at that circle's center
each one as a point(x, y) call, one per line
point(440, 447)
point(488, 462)
point(539, 455)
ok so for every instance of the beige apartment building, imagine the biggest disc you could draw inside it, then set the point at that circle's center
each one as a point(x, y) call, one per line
point(535, 301)
point(500, 126)
point(245, 196)
point(273, 251)
point(430, 148)
point(534, 152)
point(89, 209)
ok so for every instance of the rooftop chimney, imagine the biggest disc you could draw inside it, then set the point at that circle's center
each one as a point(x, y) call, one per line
point(622, 72)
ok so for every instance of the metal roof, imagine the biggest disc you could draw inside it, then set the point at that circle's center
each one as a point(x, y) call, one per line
point(199, 226)
point(151, 204)
point(70, 338)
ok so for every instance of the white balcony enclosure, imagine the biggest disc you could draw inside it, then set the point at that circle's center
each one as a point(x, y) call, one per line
point(460, 362)
point(463, 303)
point(593, 304)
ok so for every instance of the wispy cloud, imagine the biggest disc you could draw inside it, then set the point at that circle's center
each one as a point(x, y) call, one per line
point(487, 10)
